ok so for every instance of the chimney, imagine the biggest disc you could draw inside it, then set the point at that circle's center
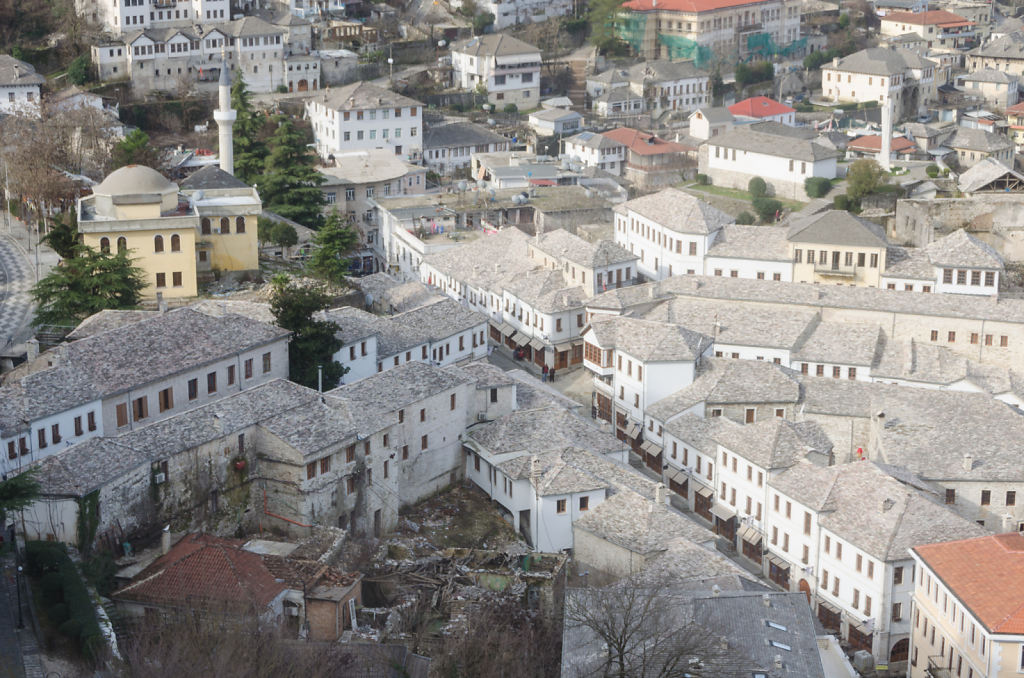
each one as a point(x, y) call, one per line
point(778, 661)
point(835, 62)
point(716, 590)
point(32, 349)
point(659, 494)
point(766, 600)
point(723, 642)
point(161, 303)
point(165, 540)
point(968, 462)
point(535, 470)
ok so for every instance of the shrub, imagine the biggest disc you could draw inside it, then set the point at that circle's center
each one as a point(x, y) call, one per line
point(52, 586)
point(767, 208)
point(703, 180)
point(282, 89)
point(817, 187)
point(841, 202)
point(44, 556)
point(57, 613)
point(511, 109)
point(745, 218)
point(932, 170)
point(757, 187)
point(72, 628)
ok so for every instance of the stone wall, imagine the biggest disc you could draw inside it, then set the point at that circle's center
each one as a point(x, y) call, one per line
point(995, 218)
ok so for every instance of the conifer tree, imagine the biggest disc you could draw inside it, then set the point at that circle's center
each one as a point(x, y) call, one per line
point(290, 185)
point(250, 151)
point(335, 241)
point(86, 283)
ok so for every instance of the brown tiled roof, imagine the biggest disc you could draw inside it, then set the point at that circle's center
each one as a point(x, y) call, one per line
point(205, 571)
point(986, 574)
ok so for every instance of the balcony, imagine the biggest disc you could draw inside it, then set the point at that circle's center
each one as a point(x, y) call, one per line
point(936, 668)
point(749, 28)
point(835, 270)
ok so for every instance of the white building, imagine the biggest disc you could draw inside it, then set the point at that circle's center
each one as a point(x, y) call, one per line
point(132, 15)
point(363, 116)
point(763, 109)
point(596, 150)
point(555, 122)
point(448, 148)
point(882, 74)
point(509, 69)
point(514, 12)
point(19, 86)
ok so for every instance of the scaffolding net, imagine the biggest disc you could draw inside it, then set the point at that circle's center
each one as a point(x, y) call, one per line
point(761, 46)
point(630, 28)
point(678, 47)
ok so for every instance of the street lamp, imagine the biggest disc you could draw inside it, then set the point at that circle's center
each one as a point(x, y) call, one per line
point(21, 621)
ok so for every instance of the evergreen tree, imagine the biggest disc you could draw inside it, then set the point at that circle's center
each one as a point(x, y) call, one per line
point(601, 16)
point(290, 186)
point(314, 342)
point(18, 492)
point(86, 283)
point(63, 235)
point(335, 241)
point(134, 149)
point(250, 151)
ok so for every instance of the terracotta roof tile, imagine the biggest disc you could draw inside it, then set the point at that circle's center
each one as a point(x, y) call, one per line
point(986, 574)
point(936, 17)
point(760, 107)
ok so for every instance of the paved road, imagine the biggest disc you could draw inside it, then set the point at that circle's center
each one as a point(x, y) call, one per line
point(16, 279)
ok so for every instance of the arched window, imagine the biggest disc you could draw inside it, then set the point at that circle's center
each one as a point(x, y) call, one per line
point(122, 244)
point(204, 225)
point(105, 245)
point(225, 225)
point(175, 243)
point(158, 243)
point(239, 224)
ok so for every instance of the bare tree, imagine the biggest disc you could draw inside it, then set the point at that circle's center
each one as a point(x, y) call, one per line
point(638, 629)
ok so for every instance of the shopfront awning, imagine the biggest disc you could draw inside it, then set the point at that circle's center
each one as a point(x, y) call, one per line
point(652, 448)
point(723, 512)
point(632, 431)
point(537, 345)
point(778, 562)
point(495, 324)
point(506, 330)
point(678, 477)
point(520, 339)
point(705, 492)
point(830, 607)
point(750, 535)
point(563, 347)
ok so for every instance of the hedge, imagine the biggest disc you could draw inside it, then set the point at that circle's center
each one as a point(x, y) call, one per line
point(745, 218)
point(67, 600)
point(932, 170)
point(766, 208)
point(703, 180)
point(817, 187)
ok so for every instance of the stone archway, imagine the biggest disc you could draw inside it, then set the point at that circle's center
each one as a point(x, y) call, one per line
point(805, 589)
point(900, 651)
point(303, 85)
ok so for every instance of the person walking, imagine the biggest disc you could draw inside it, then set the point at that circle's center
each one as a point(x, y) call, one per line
point(544, 373)
point(551, 375)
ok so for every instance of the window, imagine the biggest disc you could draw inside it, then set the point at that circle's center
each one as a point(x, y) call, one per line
point(839, 551)
point(55, 433)
point(405, 452)
point(584, 503)
point(560, 505)
point(423, 414)
point(140, 408)
point(874, 261)
point(935, 335)
point(266, 362)
point(161, 280)
point(986, 497)
point(325, 465)
point(366, 448)
point(122, 414)
point(867, 605)
point(951, 337)
point(166, 399)
point(807, 522)
point(311, 470)
point(897, 611)
point(451, 403)
point(193, 389)
point(950, 496)
point(204, 226)
point(248, 368)
point(859, 562)
point(78, 430)
point(211, 382)
point(824, 579)
point(424, 442)
point(175, 243)
point(158, 243)
point(105, 245)
point(231, 375)
point(1011, 498)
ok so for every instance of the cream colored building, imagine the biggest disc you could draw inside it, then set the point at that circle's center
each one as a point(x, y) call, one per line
point(835, 247)
point(968, 608)
point(174, 237)
point(881, 74)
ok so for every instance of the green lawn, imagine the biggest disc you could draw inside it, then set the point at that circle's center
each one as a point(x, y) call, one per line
point(737, 194)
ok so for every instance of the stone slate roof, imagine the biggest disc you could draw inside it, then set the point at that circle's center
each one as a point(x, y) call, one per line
point(398, 387)
point(616, 95)
point(459, 134)
point(960, 248)
point(715, 114)
point(361, 95)
point(745, 139)
point(882, 61)
point(105, 320)
point(908, 262)
point(488, 261)
point(773, 443)
point(494, 45)
point(162, 345)
point(639, 524)
point(661, 70)
point(678, 211)
point(781, 129)
point(743, 324)
point(724, 381)
point(978, 140)
point(212, 177)
point(983, 173)
point(393, 295)
point(764, 243)
point(17, 73)
point(322, 424)
point(392, 338)
point(592, 140)
point(522, 433)
point(562, 244)
point(545, 291)
point(841, 343)
point(921, 361)
point(837, 227)
point(989, 75)
point(440, 320)
point(1007, 47)
point(647, 340)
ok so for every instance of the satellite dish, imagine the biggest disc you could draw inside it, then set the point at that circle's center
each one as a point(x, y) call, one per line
point(442, 43)
point(491, 122)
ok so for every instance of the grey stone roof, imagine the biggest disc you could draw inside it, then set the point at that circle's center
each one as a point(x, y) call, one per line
point(91, 464)
point(989, 75)
point(495, 44)
point(356, 324)
point(15, 72)
point(249, 25)
point(837, 227)
point(737, 241)
point(647, 340)
point(921, 361)
point(488, 261)
point(106, 320)
point(978, 140)
point(661, 70)
point(211, 177)
point(678, 211)
point(697, 431)
point(960, 248)
point(459, 134)
point(486, 375)
point(841, 343)
point(320, 425)
point(882, 61)
point(1007, 47)
point(562, 244)
point(807, 482)
point(908, 262)
point(743, 324)
point(440, 320)
point(616, 94)
point(745, 139)
point(555, 114)
point(522, 433)
point(545, 291)
point(396, 388)
point(162, 345)
point(773, 443)
point(361, 95)
point(394, 295)
point(983, 173)
point(715, 114)
point(592, 140)
point(639, 524)
point(610, 76)
point(780, 129)
point(743, 621)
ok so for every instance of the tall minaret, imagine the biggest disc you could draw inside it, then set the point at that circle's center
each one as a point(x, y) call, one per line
point(225, 118)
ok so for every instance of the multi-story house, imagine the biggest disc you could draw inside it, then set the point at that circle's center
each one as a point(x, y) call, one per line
point(596, 267)
point(449, 148)
point(938, 27)
point(650, 160)
point(684, 29)
point(967, 608)
point(997, 89)
point(363, 116)
point(19, 87)
point(131, 15)
point(596, 150)
point(1015, 118)
point(1001, 54)
point(970, 146)
point(507, 68)
point(672, 85)
point(837, 247)
point(763, 109)
point(882, 74)
point(514, 12)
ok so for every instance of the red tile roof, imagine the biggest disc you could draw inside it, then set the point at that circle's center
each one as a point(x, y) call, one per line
point(686, 5)
point(1016, 108)
point(872, 143)
point(205, 571)
point(935, 17)
point(986, 574)
point(642, 143)
point(760, 107)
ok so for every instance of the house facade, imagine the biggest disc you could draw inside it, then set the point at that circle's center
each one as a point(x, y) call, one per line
point(362, 116)
point(507, 68)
